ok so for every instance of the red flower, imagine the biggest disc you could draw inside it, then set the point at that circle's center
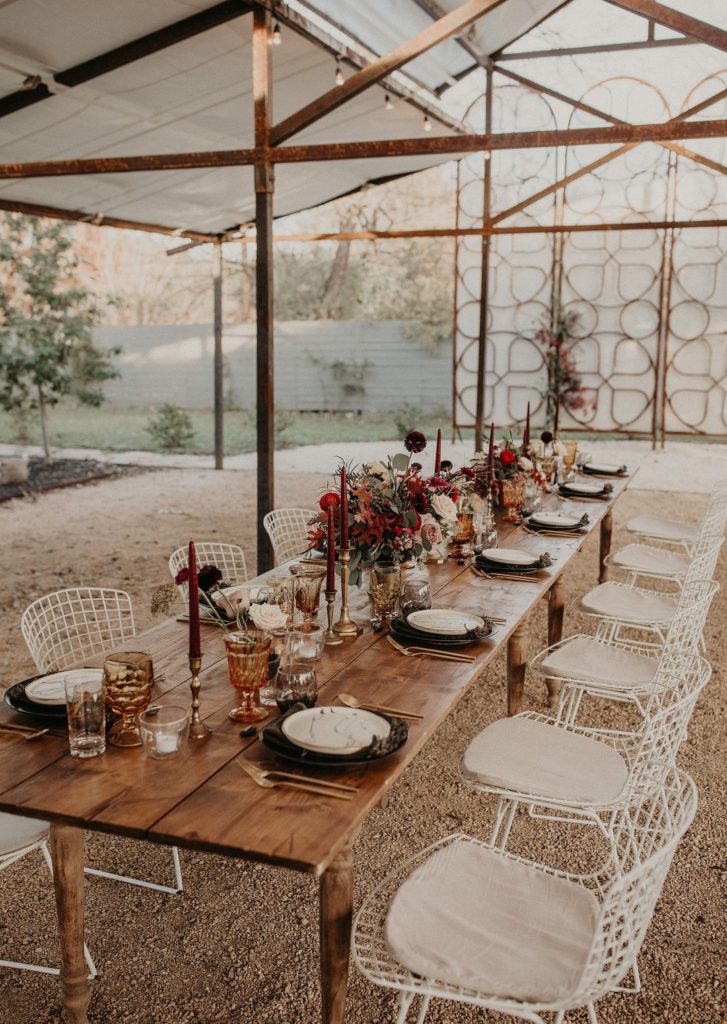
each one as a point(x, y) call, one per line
point(417, 523)
point(208, 576)
point(437, 481)
point(507, 457)
point(467, 472)
point(415, 441)
point(330, 500)
point(454, 495)
point(419, 503)
point(182, 576)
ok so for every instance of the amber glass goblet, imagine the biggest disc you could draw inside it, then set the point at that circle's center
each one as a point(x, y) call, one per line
point(247, 664)
point(128, 679)
point(309, 578)
point(385, 589)
point(513, 495)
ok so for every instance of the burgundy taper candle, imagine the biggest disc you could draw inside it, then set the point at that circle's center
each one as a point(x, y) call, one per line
point(491, 456)
point(331, 551)
point(195, 648)
point(344, 507)
point(438, 453)
point(526, 432)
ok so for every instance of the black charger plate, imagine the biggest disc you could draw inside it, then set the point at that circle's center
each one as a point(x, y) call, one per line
point(16, 698)
point(403, 631)
point(274, 739)
point(500, 569)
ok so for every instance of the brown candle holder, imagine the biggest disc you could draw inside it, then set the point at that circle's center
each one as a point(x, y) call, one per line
point(197, 729)
point(345, 625)
point(330, 639)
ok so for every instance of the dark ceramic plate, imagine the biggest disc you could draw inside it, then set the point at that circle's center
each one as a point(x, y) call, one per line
point(15, 698)
point(403, 631)
point(500, 569)
point(274, 739)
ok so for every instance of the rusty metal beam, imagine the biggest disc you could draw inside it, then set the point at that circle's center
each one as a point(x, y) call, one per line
point(375, 148)
point(676, 20)
point(262, 81)
point(580, 51)
point(120, 56)
point(219, 365)
point(379, 69)
point(98, 220)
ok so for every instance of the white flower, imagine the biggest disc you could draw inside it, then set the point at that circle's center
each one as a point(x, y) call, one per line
point(444, 508)
point(536, 449)
point(476, 502)
point(239, 599)
point(479, 459)
point(558, 448)
point(268, 616)
point(526, 464)
point(377, 468)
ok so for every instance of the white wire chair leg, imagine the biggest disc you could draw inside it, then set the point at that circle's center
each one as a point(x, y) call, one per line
point(423, 1009)
point(504, 816)
point(405, 1001)
point(175, 890)
point(592, 1018)
point(636, 987)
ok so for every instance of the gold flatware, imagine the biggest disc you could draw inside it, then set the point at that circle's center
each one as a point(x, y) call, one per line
point(555, 533)
point(260, 780)
point(431, 652)
point(21, 730)
point(503, 576)
point(351, 702)
point(266, 773)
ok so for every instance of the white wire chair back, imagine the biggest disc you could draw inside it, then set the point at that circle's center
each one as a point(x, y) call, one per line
point(645, 838)
point(288, 529)
point(63, 628)
point(229, 559)
point(686, 629)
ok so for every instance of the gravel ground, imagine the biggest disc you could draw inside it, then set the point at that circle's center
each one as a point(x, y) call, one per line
point(241, 943)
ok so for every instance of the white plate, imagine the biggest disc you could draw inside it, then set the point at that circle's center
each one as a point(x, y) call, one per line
point(556, 520)
point(445, 620)
point(604, 467)
point(335, 730)
point(584, 488)
point(52, 689)
point(315, 555)
point(510, 556)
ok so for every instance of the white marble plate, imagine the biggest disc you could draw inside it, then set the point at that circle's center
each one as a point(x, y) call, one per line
point(335, 730)
point(584, 488)
point(449, 621)
point(51, 689)
point(510, 556)
point(555, 520)
point(314, 555)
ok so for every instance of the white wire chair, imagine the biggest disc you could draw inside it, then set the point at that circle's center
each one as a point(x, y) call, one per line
point(616, 670)
point(650, 527)
point(18, 837)
point(229, 559)
point(64, 628)
point(287, 529)
point(582, 775)
point(476, 925)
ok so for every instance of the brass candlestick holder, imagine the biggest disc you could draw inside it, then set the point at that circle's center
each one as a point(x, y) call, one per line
point(345, 625)
point(197, 729)
point(330, 638)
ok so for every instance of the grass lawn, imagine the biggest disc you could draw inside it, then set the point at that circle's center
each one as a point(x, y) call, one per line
point(116, 429)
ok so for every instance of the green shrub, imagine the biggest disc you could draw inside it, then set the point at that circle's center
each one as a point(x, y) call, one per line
point(171, 429)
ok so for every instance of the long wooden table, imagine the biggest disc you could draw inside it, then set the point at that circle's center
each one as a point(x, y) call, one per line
point(201, 800)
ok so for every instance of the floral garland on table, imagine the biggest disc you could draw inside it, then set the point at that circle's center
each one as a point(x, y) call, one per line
point(396, 513)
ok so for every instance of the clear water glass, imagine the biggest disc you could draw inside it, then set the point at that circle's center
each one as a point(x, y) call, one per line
point(86, 709)
point(163, 730)
point(415, 595)
point(296, 683)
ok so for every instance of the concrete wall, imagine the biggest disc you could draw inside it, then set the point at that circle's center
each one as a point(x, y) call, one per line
point(319, 365)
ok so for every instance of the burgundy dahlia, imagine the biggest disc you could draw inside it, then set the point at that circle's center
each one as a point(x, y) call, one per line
point(546, 437)
point(208, 576)
point(182, 576)
point(415, 441)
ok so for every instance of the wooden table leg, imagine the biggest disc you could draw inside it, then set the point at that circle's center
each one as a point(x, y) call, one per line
point(336, 908)
point(66, 846)
point(556, 605)
point(517, 654)
point(606, 531)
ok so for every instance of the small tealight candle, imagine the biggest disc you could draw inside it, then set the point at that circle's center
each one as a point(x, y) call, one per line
point(163, 730)
point(167, 743)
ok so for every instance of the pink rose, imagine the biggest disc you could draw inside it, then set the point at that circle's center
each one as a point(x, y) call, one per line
point(430, 530)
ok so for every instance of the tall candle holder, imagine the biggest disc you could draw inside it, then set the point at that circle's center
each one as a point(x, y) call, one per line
point(345, 625)
point(330, 638)
point(197, 729)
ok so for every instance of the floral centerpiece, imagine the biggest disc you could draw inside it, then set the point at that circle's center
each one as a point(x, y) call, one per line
point(234, 608)
point(394, 511)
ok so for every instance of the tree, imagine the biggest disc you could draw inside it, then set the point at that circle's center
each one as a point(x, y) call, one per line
point(46, 321)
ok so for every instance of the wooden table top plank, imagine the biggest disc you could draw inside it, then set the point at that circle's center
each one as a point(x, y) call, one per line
point(204, 801)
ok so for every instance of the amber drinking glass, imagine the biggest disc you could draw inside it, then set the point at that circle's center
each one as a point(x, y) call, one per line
point(128, 679)
point(309, 579)
point(247, 664)
point(385, 589)
point(513, 494)
point(570, 451)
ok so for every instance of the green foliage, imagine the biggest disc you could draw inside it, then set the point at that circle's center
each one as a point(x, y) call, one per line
point(348, 375)
point(46, 321)
point(407, 418)
point(171, 429)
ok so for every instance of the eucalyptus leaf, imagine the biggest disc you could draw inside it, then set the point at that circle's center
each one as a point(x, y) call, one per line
point(400, 461)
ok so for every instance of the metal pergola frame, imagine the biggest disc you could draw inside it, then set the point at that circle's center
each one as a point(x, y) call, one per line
point(270, 148)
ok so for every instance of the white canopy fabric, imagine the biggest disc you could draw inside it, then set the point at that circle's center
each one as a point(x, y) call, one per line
point(197, 95)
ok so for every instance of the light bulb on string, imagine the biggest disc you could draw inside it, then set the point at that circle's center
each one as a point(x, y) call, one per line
point(276, 38)
point(339, 73)
point(427, 124)
point(388, 105)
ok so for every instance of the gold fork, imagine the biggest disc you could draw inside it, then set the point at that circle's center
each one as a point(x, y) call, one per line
point(261, 779)
point(503, 576)
point(432, 652)
point(266, 773)
point(22, 730)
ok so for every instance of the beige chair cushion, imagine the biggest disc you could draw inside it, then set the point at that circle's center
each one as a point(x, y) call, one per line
point(525, 756)
point(17, 832)
point(644, 558)
point(470, 916)
point(629, 605)
point(664, 529)
point(583, 657)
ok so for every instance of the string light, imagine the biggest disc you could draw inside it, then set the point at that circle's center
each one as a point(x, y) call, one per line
point(388, 105)
point(339, 73)
point(276, 38)
point(427, 124)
